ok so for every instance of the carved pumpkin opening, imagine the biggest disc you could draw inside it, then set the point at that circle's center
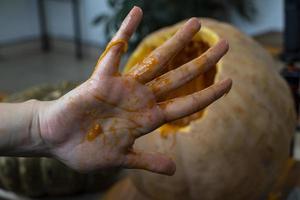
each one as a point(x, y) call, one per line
point(202, 41)
point(191, 51)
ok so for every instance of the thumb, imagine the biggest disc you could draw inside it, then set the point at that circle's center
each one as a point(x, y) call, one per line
point(154, 162)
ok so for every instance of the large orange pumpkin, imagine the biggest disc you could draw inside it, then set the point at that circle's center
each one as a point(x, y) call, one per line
point(237, 147)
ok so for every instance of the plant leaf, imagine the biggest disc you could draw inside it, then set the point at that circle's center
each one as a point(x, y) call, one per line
point(100, 19)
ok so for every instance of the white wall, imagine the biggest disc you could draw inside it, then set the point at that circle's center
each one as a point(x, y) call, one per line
point(269, 16)
point(61, 21)
point(18, 19)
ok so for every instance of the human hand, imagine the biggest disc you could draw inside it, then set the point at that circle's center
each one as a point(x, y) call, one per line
point(95, 125)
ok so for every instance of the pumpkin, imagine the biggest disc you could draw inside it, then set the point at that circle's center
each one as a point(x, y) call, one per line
point(237, 147)
point(45, 176)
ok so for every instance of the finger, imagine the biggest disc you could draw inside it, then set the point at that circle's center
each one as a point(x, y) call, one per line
point(156, 61)
point(179, 76)
point(108, 62)
point(154, 162)
point(183, 106)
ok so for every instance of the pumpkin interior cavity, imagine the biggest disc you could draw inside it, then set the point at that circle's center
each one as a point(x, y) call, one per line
point(194, 49)
point(200, 43)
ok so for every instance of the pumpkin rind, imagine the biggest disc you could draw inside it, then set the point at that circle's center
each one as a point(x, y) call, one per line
point(238, 148)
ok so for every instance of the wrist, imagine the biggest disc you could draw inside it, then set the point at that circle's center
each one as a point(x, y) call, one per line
point(36, 145)
point(20, 129)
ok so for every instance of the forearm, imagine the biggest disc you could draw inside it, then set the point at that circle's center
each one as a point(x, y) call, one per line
point(20, 130)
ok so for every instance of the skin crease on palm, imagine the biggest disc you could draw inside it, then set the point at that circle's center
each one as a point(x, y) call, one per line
point(95, 125)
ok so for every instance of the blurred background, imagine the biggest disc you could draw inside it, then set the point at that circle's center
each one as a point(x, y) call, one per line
point(49, 41)
point(49, 46)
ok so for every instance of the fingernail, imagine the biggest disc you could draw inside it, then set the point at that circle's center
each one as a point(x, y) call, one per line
point(194, 19)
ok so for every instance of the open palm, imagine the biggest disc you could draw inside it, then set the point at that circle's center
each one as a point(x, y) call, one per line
point(95, 125)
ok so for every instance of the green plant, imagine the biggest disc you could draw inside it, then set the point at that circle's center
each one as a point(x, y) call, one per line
point(159, 13)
